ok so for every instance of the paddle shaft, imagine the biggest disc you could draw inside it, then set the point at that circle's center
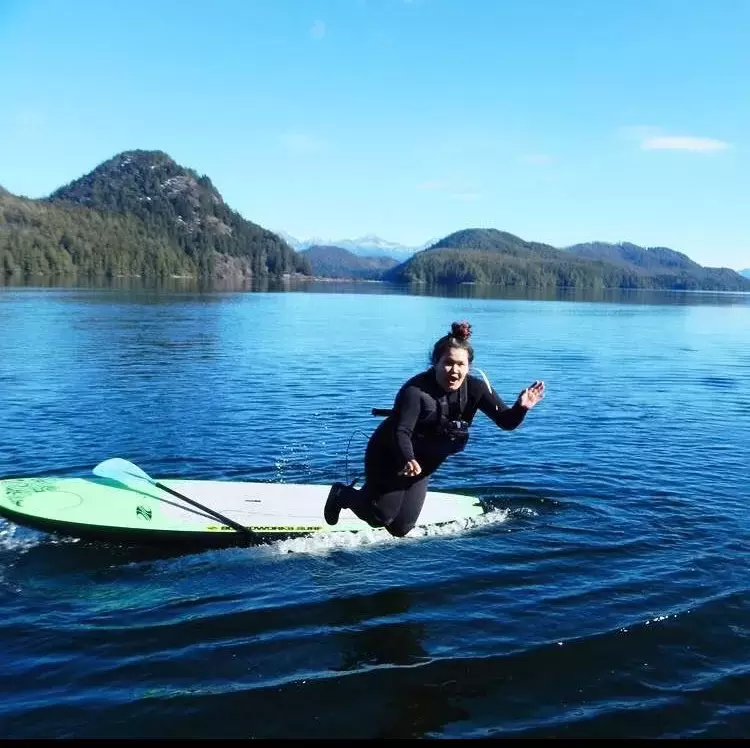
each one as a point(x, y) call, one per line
point(231, 523)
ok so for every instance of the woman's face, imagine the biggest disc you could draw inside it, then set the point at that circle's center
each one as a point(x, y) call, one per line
point(452, 368)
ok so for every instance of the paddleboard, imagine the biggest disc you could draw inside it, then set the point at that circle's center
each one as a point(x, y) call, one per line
point(101, 509)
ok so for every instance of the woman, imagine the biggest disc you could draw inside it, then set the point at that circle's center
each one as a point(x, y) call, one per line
point(429, 422)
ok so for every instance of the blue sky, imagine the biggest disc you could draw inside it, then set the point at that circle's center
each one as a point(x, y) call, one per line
point(559, 121)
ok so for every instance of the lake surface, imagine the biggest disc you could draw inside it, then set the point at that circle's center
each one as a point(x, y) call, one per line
point(605, 594)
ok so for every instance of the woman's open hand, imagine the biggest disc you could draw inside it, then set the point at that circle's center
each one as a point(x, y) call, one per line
point(532, 394)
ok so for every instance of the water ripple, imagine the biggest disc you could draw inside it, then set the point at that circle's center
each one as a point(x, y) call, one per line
point(604, 594)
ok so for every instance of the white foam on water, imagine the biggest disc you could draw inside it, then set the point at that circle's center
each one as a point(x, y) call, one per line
point(16, 538)
point(324, 542)
point(20, 539)
point(523, 511)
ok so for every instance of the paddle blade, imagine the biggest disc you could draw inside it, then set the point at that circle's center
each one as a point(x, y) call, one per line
point(122, 471)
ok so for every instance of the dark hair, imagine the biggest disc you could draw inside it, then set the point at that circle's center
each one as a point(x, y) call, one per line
point(458, 337)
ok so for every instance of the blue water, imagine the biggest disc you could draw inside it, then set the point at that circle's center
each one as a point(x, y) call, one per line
point(606, 594)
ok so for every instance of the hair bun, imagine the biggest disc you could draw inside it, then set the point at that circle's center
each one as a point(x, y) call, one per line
point(461, 330)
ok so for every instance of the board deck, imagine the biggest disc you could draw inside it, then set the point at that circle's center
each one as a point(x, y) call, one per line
point(98, 508)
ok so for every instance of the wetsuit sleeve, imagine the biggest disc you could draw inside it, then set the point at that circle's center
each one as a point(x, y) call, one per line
point(507, 418)
point(409, 408)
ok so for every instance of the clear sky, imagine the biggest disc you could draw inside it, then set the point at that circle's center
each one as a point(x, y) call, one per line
point(561, 121)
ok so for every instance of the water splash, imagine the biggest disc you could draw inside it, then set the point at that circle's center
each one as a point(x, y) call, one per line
point(325, 543)
point(17, 538)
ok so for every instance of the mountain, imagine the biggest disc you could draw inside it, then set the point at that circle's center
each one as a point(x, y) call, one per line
point(483, 256)
point(185, 210)
point(337, 262)
point(296, 244)
point(493, 240)
point(500, 258)
point(661, 263)
point(746, 273)
point(373, 246)
point(40, 238)
point(651, 258)
point(363, 246)
point(141, 213)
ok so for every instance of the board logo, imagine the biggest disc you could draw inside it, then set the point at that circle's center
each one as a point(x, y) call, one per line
point(143, 511)
point(18, 489)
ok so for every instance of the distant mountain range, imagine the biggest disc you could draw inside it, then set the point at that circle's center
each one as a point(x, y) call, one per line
point(489, 256)
point(337, 262)
point(661, 265)
point(142, 214)
point(363, 246)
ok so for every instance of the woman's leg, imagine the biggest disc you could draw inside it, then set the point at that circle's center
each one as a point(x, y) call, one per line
point(411, 503)
point(379, 500)
point(396, 507)
point(386, 499)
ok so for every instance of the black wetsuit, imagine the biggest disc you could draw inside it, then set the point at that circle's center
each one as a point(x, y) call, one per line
point(428, 425)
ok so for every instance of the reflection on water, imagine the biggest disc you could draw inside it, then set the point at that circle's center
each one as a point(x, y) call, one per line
point(460, 291)
point(389, 641)
point(607, 597)
point(378, 634)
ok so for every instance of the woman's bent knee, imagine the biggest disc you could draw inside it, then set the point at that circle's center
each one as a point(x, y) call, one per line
point(398, 530)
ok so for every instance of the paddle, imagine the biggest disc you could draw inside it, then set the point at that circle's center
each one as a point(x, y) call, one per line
point(126, 473)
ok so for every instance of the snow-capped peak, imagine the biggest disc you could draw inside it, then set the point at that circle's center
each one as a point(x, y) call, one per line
point(366, 245)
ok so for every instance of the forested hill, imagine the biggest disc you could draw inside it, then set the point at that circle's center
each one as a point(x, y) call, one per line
point(492, 240)
point(337, 262)
point(500, 258)
point(139, 213)
point(653, 258)
point(662, 263)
